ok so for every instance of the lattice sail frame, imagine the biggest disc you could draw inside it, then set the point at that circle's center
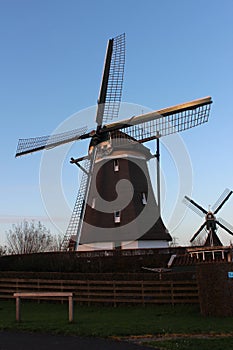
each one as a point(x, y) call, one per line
point(74, 223)
point(115, 79)
point(141, 128)
point(198, 209)
point(165, 121)
point(34, 144)
point(221, 201)
point(170, 124)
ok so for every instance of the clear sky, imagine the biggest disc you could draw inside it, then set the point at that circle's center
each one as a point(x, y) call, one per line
point(52, 54)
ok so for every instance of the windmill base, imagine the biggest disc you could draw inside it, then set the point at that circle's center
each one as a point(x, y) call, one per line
point(123, 245)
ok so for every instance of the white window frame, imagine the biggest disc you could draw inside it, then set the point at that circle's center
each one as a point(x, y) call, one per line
point(93, 202)
point(144, 200)
point(117, 216)
point(116, 165)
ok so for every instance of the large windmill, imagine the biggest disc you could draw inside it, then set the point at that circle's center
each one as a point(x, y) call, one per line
point(211, 222)
point(116, 152)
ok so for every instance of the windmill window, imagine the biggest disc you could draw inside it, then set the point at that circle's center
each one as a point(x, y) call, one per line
point(117, 217)
point(116, 165)
point(144, 199)
point(93, 202)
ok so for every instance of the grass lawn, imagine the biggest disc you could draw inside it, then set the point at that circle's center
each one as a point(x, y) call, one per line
point(122, 321)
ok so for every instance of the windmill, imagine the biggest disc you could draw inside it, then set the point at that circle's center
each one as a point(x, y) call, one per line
point(211, 222)
point(117, 151)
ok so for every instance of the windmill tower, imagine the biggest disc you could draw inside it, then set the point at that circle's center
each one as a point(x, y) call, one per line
point(211, 222)
point(102, 219)
point(120, 226)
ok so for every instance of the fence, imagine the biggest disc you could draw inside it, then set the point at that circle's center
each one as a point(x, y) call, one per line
point(108, 292)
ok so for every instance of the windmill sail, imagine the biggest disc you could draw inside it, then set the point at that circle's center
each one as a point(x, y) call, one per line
point(194, 206)
point(35, 144)
point(108, 102)
point(225, 225)
point(141, 128)
point(222, 200)
point(108, 108)
point(75, 220)
point(166, 121)
point(198, 231)
point(112, 81)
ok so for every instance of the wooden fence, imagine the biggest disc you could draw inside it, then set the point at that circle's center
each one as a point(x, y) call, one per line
point(108, 292)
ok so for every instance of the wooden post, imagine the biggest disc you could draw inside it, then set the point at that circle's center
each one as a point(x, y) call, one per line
point(18, 315)
point(172, 293)
point(71, 309)
point(114, 293)
point(143, 296)
point(88, 292)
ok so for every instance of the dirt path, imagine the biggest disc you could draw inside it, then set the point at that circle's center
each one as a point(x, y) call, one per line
point(142, 339)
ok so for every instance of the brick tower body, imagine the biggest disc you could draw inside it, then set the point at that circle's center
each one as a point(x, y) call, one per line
point(121, 210)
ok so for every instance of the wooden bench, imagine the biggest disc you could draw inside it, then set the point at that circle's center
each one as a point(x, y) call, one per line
point(40, 295)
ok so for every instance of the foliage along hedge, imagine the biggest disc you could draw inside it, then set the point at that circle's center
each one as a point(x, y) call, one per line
point(70, 262)
point(215, 289)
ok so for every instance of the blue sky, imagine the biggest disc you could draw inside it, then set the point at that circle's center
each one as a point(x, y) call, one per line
point(52, 54)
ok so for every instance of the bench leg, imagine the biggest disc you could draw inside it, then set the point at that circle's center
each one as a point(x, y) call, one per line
point(18, 314)
point(71, 309)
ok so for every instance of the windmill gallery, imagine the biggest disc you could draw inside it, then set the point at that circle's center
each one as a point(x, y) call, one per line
point(116, 232)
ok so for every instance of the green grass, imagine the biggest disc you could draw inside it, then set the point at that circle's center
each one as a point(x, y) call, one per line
point(122, 321)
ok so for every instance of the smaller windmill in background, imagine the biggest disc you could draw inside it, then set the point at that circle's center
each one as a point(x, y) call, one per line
point(211, 223)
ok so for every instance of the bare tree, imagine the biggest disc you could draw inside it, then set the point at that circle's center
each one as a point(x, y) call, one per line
point(56, 243)
point(199, 241)
point(174, 242)
point(29, 237)
point(3, 250)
